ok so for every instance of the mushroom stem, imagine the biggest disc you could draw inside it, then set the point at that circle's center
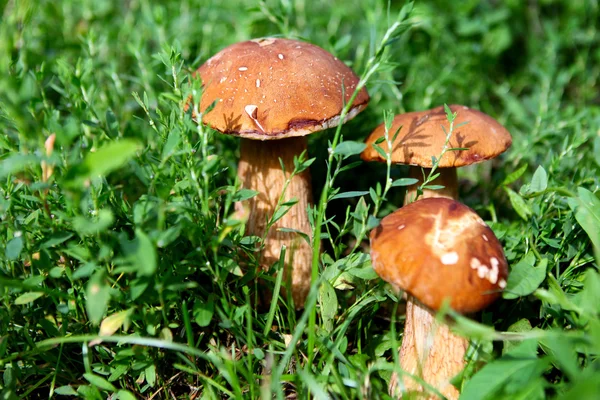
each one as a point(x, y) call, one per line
point(259, 169)
point(430, 351)
point(447, 178)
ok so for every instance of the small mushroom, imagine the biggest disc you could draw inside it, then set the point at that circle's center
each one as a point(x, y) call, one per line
point(421, 137)
point(437, 250)
point(272, 93)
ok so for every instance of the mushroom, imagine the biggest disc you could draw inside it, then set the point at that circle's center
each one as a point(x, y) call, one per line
point(272, 93)
point(421, 138)
point(437, 250)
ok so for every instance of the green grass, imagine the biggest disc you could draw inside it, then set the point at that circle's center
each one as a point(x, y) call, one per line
point(121, 274)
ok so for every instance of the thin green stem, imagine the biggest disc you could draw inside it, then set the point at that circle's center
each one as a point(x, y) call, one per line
point(436, 162)
point(373, 65)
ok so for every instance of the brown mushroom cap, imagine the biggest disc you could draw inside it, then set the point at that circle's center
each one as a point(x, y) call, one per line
point(422, 137)
point(438, 248)
point(276, 88)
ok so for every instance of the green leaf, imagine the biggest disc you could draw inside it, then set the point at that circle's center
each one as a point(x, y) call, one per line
point(539, 183)
point(347, 195)
point(282, 210)
point(587, 386)
point(147, 259)
point(243, 194)
point(102, 162)
point(562, 350)
point(524, 279)
point(518, 365)
point(556, 296)
point(89, 392)
point(404, 182)
point(99, 382)
point(171, 144)
point(27, 298)
point(85, 270)
point(56, 239)
point(114, 322)
point(17, 163)
point(258, 353)
point(138, 287)
point(56, 272)
point(94, 226)
point(514, 175)
point(97, 295)
point(112, 124)
point(14, 248)
point(519, 204)
point(150, 373)
point(329, 305)
point(65, 391)
point(125, 395)
point(589, 297)
point(349, 148)
point(203, 311)
point(303, 235)
point(522, 325)
point(141, 252)
point(118, 371)
point(587, 214)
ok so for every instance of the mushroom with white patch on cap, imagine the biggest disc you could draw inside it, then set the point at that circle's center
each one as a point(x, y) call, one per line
point(443, 252)
point(272, 93)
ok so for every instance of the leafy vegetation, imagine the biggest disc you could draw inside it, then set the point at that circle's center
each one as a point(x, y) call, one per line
point(121, 266)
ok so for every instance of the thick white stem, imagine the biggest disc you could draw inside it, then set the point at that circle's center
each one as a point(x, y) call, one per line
point(447, 178)
point(260, 170)
point(429, 351)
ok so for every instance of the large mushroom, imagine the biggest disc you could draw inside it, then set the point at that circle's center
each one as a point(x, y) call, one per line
point(272, 93)
point(421, 137)
point(437, 250)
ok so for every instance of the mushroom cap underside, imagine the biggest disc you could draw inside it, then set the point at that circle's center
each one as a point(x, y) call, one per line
point(421, 137)
point(276, 88)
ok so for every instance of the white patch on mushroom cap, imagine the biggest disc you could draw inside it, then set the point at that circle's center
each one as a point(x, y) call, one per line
point(223, 79)
point(251, 110)
point(493, 276)
point(280, 56)
point(243, 68)
point(502, 283)
point(447, 231)
point(495, 263)
point(482, 271)
point(449, 258)
point(475, 263)
point(485, 237)
point(264, 42)
point(401, 227)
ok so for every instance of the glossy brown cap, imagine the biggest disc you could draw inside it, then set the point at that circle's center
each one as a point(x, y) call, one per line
point(421, 137)
point(276, 88)
point(438, 248)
